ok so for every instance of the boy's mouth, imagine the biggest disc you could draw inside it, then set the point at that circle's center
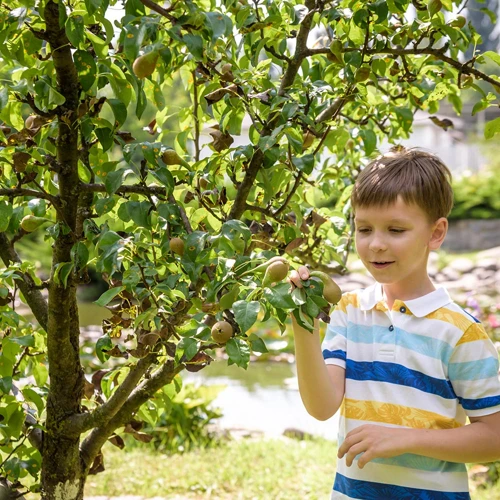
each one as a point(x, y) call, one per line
point(381, 264)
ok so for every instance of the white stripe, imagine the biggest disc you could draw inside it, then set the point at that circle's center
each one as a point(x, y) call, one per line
point(402, 356)
point(383, 392)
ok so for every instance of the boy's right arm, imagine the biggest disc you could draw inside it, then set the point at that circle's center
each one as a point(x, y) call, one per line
point(321, 386)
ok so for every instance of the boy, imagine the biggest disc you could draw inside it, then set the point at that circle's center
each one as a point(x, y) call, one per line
point(405, 365)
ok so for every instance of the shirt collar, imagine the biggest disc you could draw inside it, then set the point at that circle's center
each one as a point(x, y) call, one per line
point(420, 307)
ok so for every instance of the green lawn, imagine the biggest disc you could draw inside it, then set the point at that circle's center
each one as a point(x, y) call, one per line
point(238, 470)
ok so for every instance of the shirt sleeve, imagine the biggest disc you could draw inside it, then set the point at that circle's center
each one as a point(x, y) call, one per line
point(335, 341)
point(473, 372)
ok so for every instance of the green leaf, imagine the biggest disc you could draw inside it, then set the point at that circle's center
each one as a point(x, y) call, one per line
point(492, 128)
point(228, 299)
point(369, 140)
point(246, 313)
point(6, 366)
point(86, 68)
point(238, 352)
point(103, 344)
point(494, 56)
point(75, 30)
point(108, 296)
point(92, 5)
point(304, 163)
point(194, 43)
point(220, 24)
point(80, 255)
point(40, 373)
point(114, 180)
point(279, 296)
point(105, 136)
point(165, 177)
point(119, 110)
point(5, 215)
point(62, 273)
point(258, 345)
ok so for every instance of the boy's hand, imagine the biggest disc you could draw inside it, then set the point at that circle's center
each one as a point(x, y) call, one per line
point(373, 441)
point(296, 277)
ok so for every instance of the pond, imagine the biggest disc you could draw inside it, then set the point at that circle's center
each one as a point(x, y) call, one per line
point(264, 397)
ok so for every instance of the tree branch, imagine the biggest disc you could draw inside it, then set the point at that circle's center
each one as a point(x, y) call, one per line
point(160, 10)
point(438, 53)
point(93, 443)
point(33, 296)
point(16, 192)
point(82, 422)
point(136, 189)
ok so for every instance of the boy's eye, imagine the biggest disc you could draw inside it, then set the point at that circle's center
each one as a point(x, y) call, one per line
point(397, 230)
point(363, 230)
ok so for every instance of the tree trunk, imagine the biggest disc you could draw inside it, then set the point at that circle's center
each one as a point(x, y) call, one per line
point(63, 476)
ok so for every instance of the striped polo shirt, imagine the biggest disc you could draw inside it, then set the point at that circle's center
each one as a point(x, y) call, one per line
point(426, 364)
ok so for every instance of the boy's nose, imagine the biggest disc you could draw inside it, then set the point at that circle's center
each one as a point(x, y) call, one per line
point(377, 245)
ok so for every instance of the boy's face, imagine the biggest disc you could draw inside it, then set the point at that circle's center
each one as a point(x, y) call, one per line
point(393, 243)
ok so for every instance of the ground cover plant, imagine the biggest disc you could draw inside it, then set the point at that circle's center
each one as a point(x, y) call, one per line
point(182, 232)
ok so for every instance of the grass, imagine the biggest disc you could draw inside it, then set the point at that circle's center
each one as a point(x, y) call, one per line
point(248, 469)
point(237, 470)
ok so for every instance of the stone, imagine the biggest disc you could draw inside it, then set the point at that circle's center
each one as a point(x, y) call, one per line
point(490, 264)
point(462, 265)
point(451, 274)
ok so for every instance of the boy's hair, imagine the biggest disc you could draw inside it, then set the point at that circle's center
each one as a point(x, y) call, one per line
point(415, 175)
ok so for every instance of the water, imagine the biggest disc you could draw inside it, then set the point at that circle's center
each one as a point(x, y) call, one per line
point(265, 398)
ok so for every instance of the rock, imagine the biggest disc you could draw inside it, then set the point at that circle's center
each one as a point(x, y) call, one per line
point(493, 253)
point(483, 274)
point(466, 282)
point(297, 434)
point(462, 265)
point(451, 274)
point(490, 264)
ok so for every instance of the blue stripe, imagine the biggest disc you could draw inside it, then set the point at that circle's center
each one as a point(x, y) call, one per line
point(367, 490)
point(333, 354)
point(473, 317)
point(473, 370)
point(481, 403)
point(427, 346)
point(392, 373)
point(334, 330)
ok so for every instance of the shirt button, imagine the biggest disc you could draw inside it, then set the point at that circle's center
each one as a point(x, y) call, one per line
point(402, 309)
point(391, 328)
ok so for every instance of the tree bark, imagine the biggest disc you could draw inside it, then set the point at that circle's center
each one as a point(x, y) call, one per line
point(63, 476)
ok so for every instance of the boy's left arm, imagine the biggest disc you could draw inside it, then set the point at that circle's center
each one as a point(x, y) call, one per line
point(477, 442)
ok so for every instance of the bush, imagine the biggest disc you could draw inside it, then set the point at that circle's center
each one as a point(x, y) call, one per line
point(476, 197)
point(186, 424)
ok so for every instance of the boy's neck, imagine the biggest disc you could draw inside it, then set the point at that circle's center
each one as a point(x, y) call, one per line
point(398, 291)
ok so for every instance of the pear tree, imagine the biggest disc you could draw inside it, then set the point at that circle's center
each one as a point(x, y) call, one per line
point(193, 236)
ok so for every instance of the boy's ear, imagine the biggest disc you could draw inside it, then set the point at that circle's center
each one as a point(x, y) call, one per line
point(439, 230)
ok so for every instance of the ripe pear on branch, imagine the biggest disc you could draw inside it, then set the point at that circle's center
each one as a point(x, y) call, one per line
point(31, 223)
point(263, 267)
point(171, 157)
point(145, 65)
point(222, 331)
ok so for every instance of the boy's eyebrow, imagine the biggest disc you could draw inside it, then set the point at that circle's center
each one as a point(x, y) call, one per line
point(392, 221)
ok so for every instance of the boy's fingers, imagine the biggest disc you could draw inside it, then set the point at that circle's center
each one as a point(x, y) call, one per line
point(294, 279)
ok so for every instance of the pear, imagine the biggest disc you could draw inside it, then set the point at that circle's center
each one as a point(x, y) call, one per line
point(170, 157)
point(222, 331)
point(177, 246)
point(31, 223)
point(331, 291)
point(276, 271)
point(145, 65)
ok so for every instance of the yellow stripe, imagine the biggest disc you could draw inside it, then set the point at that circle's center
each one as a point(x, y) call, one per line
point(455, 318)
point(474, 332)
point(346, 300)
point(374, 411)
